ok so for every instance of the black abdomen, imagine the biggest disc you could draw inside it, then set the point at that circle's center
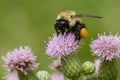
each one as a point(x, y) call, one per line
point(76, 30)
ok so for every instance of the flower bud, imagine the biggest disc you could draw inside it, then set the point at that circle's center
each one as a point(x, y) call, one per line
point(88, 68)
point(71, 66)
point(43, 75)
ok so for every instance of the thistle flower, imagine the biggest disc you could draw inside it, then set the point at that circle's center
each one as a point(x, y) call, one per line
point(106, 46)
point(21, 60)
point(62, 45)
point(57, 76)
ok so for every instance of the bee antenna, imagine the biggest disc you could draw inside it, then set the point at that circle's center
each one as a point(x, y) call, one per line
point(85, 15)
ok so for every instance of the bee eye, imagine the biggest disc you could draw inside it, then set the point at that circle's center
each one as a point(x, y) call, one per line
point(63, 22)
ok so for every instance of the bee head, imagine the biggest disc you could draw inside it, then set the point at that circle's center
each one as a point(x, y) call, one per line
point(68, 17)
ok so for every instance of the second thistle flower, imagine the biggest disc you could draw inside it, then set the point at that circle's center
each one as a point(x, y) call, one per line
point(107, 47)
point(21, 60)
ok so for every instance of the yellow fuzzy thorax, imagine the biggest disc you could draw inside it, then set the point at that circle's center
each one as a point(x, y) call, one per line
point(67, 15)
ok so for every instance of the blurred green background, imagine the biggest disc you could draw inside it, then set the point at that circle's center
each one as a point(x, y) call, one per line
point(31, 22)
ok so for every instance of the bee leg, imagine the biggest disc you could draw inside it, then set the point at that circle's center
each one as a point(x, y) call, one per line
point(77, 35)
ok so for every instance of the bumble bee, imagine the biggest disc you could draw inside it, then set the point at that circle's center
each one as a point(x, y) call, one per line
point(69, 22)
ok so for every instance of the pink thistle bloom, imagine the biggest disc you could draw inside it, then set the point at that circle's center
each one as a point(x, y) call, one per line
point(106, 47)
point(62, 45)
point(57, 76)
point(20, 59)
